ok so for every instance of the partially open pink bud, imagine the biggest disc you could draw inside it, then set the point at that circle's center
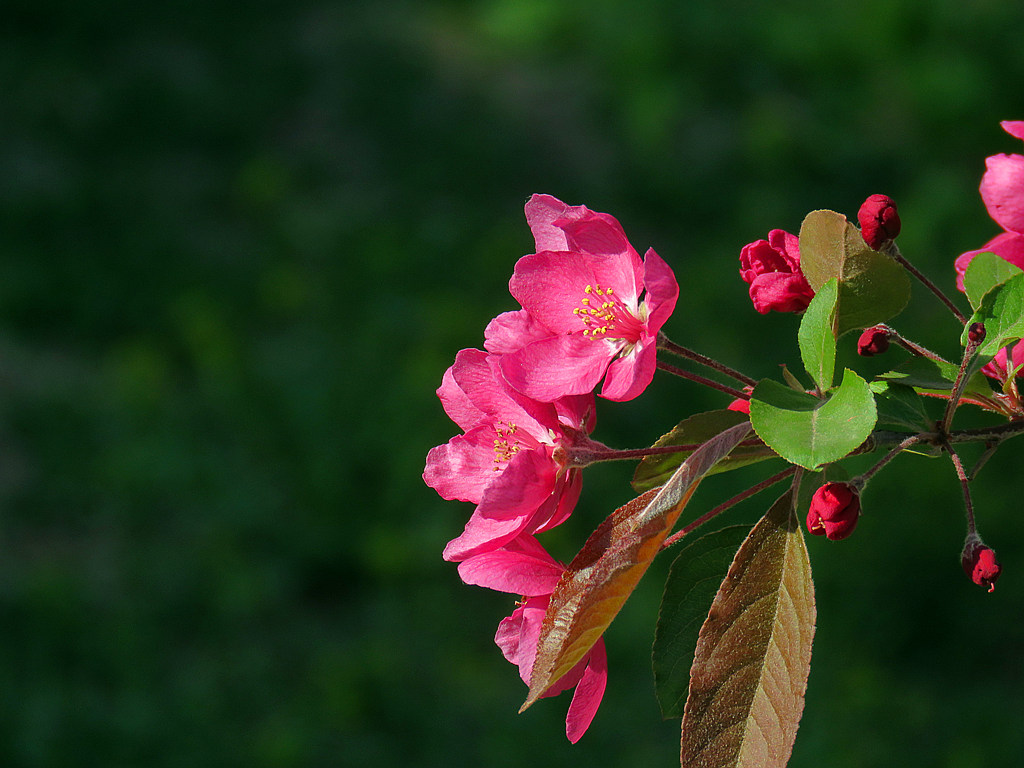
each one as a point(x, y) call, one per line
point(874, 341)
point(879, 221)
point(979, 562)
point(834, 510)
point(772, 270)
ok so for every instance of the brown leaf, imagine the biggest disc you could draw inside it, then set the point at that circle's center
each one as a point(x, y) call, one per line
point(602, 576)
point(753, 654)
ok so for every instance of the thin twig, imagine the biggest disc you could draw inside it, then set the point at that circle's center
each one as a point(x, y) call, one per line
point(703, 380)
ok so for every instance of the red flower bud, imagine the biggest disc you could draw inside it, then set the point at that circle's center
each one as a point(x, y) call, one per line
point(834, 510)
point(874, 341)
point(879, 221)
point(772, 269)
point(979, 562)
point(740, 404)
point(976, 333)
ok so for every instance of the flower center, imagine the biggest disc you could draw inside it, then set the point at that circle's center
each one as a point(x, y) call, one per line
point(606, 317)
point(505, 444)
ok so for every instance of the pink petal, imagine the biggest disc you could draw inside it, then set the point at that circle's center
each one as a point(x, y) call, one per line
point(1002, 189)
point(588, 695)
point(541, 213)
point(514, 572)
point(478, 375)
point(558, 366)
point(780, 291)
point(577, 411)
point(629, 375)
point(463, 468)
point(550, 285)
point(510, 331)
point(521, 648)
point(1014, 127)
point(1008, 245)
point(662, 291)
point(456, 403)
point(508, 506)
point(567, 492)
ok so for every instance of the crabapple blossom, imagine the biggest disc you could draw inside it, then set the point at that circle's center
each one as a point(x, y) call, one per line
point(979, 562)
point(772, 269)
point(593, 308)
point(834, 510)
point(879, 221)
point(523, 567)
point(513, 458)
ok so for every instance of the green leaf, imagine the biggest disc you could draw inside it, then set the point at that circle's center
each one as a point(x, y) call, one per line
point(753, 653)
point(597, 582)
point(810, 432)
point(693, 580)
point(817, 337)
point(900, 406)
point(984, 273)
point(935, 377)
point(653, 471)
point(1002, 312)
point(793, 381)
point(872, 286)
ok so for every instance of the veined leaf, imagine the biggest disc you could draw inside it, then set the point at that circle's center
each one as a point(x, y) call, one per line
point(900, 406)
point(753, 653)
point(1002, 312)
point(934, 377)
point(653, 471)
point(984, 273)
point(872, 286)
point(602, 576)
point(817, 335)
point(693, 580)
point(810, 432)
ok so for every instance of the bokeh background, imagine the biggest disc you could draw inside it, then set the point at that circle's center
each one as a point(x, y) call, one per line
point(241, 243)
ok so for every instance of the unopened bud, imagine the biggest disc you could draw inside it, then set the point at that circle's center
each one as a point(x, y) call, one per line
point(979, 563)
point(976, 333)
point(874, 341)
point(879, 221)
point(834, 510)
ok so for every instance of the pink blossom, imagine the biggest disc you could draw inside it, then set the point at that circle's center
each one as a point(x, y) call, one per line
point(584, 316)
point(511, 461)
point(879, 221)
point(1002, 186)
point(1002, 190)
point(772, 269)
point(523, 567)
point(834, 511)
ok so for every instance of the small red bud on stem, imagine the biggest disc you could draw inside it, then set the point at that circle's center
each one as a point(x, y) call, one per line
point(879, 221)
point(874, 341)
point(979, 562)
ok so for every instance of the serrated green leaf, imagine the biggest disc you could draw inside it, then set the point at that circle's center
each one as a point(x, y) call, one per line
point(1002, 312)
point(900, 406)
point(984, 273)
point(753, 653)
point(598, 581)
point(810, 432)
point(693, 579)
point(653, 471)
point(817, 337)
point(872, 286)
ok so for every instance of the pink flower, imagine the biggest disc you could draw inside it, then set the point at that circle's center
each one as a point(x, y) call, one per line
point(523, 567)
point(584, 316)
point(511, 460)
point(1002, 190)
point(1002, 186)
point(772, 269)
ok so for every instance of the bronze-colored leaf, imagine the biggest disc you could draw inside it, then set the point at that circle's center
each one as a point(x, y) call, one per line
point(602, 576)
point(753, 653)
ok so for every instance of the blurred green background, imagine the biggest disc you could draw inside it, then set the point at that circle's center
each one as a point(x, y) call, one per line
point(241, 243)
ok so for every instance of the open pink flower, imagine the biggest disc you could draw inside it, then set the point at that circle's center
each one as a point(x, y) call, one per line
point(585, 318)
point(511, 459)
point(772, 270)
point(1002, 190)
point(523, 567)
